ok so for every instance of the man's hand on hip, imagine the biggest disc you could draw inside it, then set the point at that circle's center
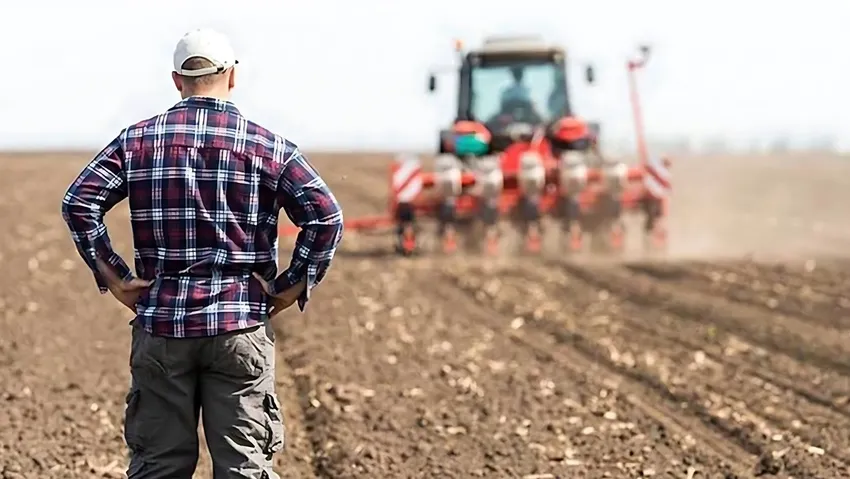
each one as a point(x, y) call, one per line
point(283, 300)
point(126, 292)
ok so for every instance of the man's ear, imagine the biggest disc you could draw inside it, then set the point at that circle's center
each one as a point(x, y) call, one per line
point(178, 81)
point(231, 80)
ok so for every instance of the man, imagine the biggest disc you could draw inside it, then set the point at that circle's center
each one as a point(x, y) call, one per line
point(516, 103)
point(516, 91)
point(205, 186)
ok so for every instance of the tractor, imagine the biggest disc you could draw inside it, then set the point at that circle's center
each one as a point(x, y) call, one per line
point(516, 151)
point(517, 155)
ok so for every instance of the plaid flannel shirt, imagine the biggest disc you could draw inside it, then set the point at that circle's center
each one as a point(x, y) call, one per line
point(205, 187)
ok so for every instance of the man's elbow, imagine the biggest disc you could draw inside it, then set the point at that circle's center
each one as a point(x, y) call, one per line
point(340, 230)
point(335, 226)
point(67, 208)
point(73, 210)
point(333, 212)
point(339, 219)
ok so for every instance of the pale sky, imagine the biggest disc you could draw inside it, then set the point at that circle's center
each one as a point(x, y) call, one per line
point(352, 74)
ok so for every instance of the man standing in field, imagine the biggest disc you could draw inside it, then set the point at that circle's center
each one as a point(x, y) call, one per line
point(205, 187)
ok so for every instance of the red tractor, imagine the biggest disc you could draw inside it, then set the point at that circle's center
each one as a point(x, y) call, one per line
point(518, 155)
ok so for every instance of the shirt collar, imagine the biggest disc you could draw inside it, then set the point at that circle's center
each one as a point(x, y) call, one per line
point(208, 103)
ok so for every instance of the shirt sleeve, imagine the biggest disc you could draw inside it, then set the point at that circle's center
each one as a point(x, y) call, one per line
point(311, 206)
point(100, 186)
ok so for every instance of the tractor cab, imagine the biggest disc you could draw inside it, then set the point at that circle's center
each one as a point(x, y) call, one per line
point(511, 85)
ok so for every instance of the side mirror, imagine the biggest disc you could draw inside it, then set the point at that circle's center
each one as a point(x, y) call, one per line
point(432, 83)
point(589, 75)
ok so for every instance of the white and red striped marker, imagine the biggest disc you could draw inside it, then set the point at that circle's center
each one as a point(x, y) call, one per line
point(657, 178)
point(406, 178)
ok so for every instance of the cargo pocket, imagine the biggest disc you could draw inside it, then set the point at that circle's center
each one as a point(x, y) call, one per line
point(274, 426)
point(141, 422)
point(132, 435)
point(131, 422)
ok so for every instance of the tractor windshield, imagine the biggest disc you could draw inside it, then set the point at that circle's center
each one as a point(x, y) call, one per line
point(517, 91)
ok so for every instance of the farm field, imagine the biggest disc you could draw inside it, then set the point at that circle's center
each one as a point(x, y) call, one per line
point(729, 359)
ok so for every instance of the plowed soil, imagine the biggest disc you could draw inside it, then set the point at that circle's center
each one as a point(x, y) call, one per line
point(728, 359)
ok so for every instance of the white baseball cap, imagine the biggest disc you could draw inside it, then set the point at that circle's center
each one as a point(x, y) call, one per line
point(207, 44)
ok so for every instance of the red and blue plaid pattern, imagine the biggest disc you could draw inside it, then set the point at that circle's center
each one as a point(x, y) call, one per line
point(205, 187)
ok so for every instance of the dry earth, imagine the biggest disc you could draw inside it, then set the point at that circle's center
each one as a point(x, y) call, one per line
point(729, 359)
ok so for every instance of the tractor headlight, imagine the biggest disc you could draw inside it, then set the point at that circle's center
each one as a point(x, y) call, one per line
point(447, 176)
point(532, 173)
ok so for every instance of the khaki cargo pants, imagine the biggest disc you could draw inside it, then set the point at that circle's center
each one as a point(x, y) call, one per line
point(227, 379)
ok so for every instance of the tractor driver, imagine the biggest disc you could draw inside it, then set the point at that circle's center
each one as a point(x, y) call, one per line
point(516, 98)
point(517, 91)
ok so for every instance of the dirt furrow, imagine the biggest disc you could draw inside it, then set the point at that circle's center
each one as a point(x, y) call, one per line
point(582, 357)
point(771, 415)
point(823, 287)
point(404, 382)
point(298, 460)
point(395, 383)
point(820, 346)
point(828, 278)
point(773, 295)
point(822, 386)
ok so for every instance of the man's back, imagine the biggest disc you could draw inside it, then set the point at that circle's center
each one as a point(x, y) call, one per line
point(205, 187)
point(202, 184)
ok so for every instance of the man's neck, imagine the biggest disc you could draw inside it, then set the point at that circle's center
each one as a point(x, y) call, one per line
point(209, 94)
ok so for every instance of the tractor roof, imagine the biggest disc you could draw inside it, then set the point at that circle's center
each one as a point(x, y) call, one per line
point(517, 44)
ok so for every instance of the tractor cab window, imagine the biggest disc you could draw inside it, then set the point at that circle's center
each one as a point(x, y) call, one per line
point(517, 91)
